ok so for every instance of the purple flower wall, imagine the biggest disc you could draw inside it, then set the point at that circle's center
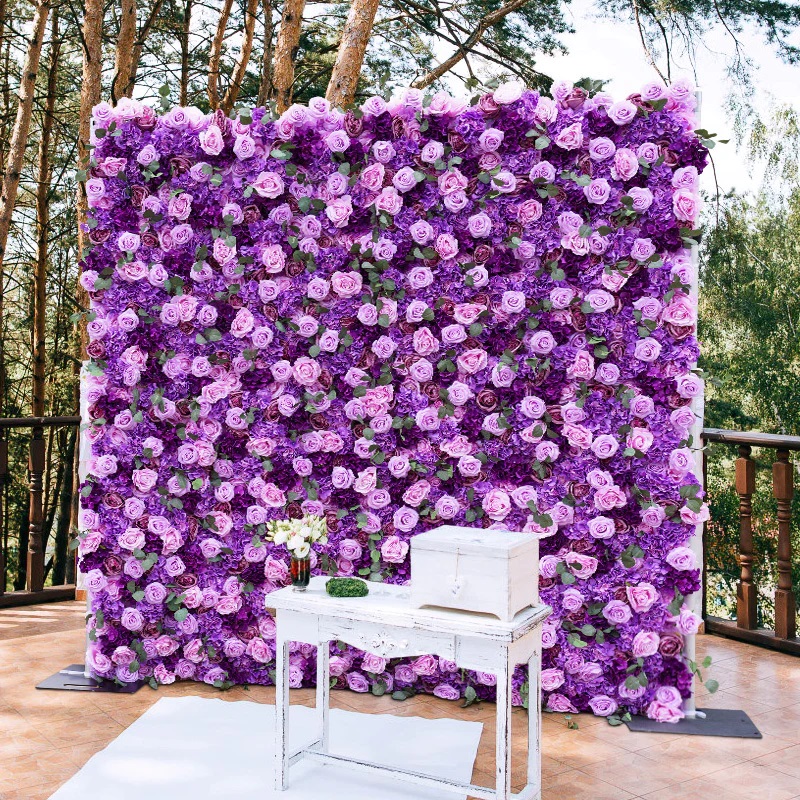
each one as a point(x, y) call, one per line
point(413, 313)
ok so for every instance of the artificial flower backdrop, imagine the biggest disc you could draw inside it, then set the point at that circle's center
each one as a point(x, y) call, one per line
point(415, 313)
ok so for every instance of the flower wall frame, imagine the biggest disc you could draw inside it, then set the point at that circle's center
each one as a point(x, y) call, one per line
point(413, 313)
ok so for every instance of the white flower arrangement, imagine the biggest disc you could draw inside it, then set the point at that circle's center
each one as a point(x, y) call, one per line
point(299, 534)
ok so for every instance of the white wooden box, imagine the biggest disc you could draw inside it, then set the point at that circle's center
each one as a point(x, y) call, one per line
point(474, 569)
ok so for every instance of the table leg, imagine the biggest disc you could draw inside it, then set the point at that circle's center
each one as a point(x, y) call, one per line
point(503, 743)
point(535, 718)
point(323, 692)
point(281, 715)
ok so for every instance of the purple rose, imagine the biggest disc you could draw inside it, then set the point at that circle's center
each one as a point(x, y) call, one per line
point(617, 612)
point(356, 682)
point(446, 692)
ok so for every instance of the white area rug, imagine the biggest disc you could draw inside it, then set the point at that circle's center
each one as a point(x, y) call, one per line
point(193, 748)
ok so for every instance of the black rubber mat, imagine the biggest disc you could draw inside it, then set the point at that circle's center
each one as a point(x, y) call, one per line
point(72, 679)
point(717, 722)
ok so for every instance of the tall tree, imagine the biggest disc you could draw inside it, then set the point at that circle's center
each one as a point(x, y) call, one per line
point(237, 79)
point(90, 96)
point(19, 134)
point(186, 27)
point(141, 40)
point(123, 65)
point(216, 54)
point(265, 83)
point(355, 38)
point(286, 52)
point(43, 225)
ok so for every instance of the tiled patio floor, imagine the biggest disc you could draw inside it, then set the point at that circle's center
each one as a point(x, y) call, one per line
point(45, 737)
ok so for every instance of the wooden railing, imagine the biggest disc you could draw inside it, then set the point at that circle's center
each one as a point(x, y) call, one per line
point(784, 637)
point(35, 590)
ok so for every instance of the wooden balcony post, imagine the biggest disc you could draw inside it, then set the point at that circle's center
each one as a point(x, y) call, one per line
point(745, 487)
point(36, 466)
point(783, 489)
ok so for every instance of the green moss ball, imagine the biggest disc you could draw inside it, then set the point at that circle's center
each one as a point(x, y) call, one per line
point(346, 587)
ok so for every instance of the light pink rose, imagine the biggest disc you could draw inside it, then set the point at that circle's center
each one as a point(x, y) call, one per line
point(642, 596)
point(389, 200)
point(622, 112)
point(394, 550)
point(497, 504)
point(551, 679)
point(571, 138)
point(688, 623)
point(682, 559)
point(405, 519)
point(645, 644)
point(269, 185)
point(509, 92)
point(346, 284)
point(689, 385)
point(617, 612)
point(602, 527)
point(417, 493)
point(602, 705)
point(626, 164)
point(472, 361)
point(686, 206)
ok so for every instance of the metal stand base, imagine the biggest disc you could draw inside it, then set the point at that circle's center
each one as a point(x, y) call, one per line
point(73, 679)
point(713, 722)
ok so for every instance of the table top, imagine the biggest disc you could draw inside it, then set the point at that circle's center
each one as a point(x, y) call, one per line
point(388, 604)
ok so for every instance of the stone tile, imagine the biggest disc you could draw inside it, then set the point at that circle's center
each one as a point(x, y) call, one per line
point(579, 749)
point(19, 737)
point(577, 785)
point(52, 734)
point(786, 760)
point(784, 724)
point(762, 781)
point(100, 728)
point(751, 781)
point(692, 756)
point(632, 741)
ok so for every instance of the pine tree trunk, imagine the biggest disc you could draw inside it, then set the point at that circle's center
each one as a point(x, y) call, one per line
point(240, 69)
point(43, 227)
point(187, 25)
point(355, 38)
point(125, 43)
point(19, 135)
point(5, 50)
point(286, 52)
point(90, 97)
point(265, 86)
point(216, 55)
point(136, 55)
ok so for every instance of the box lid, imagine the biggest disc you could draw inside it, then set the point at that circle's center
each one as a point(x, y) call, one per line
point(474, 541)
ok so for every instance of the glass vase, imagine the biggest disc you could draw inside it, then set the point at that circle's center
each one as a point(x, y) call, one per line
point(301, 573)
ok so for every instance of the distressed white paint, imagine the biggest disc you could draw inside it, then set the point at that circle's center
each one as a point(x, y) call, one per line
point(474, 569)
point(84, 454)
point(695, 601)
point(386, 623)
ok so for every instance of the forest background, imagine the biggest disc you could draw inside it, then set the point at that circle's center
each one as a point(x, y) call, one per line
point(58, 58)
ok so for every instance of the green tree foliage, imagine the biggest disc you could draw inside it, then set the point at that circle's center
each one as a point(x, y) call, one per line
point(750, 295)
point(750, 335)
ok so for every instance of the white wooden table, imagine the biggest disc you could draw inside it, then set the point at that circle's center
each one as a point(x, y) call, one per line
point(384, 623)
